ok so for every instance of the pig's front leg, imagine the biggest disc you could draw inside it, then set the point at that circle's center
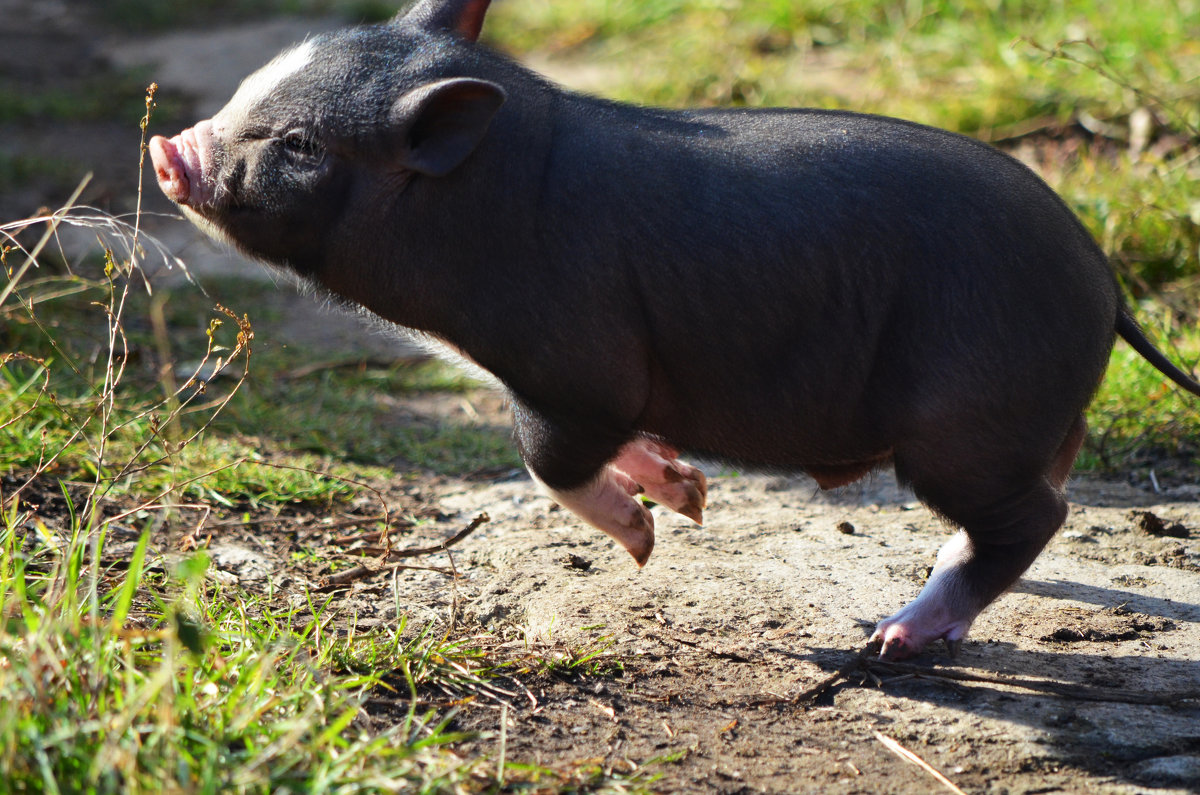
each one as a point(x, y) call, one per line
point(656, 467)
point(609, 503)
point(570, 458)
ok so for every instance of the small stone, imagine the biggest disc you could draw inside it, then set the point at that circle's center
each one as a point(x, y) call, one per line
point(574, 561)
point(1151, 524)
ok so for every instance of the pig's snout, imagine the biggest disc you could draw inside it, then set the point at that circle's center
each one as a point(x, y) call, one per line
point(183, 165)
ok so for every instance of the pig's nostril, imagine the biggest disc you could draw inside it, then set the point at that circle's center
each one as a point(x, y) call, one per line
point(170, 169)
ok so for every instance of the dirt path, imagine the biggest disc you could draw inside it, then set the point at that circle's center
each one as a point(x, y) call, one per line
point(730, 620)
point(771, 595)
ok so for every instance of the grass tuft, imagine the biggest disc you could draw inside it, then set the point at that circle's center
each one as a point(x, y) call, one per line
point(1140, 421)
point(120, 676)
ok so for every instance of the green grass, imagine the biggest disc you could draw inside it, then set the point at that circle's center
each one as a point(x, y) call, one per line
point(1141, 421)
point(123, 680)
point(961, 64)
point(110, 96)
point(88, 409)
point(133, 675)
point(122, 676)
point(1143, 211)
point(591, 659)
point(17, 169)
point(295, 412)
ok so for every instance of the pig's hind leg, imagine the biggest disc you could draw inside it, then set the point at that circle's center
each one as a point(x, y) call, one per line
point(1005, 527)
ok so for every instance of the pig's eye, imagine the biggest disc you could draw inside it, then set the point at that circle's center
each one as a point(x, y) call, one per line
point(301, 145)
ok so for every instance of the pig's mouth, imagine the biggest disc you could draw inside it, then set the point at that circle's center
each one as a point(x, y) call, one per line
point(181, 163)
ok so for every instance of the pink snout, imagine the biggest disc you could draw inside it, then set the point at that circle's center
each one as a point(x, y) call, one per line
point(184, 165)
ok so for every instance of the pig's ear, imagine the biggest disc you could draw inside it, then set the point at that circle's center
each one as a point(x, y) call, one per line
point(439, 124)
point(464, 17)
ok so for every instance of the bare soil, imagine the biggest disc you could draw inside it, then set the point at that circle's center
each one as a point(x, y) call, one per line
point(703, 652)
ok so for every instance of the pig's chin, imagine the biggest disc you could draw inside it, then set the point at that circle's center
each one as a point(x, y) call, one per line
point(208, 226)
point(226, 228)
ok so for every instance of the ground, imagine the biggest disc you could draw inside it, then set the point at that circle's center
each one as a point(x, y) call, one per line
point(688, 669)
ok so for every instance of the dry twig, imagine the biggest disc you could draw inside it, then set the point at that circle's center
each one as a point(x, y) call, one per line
point(343, 578)
point(908, 756)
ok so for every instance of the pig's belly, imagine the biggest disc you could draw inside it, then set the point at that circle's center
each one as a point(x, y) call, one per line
point(832, 476)
point(833, 454)
point(836, 437)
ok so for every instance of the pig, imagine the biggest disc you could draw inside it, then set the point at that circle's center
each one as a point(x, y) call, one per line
point(787, 289)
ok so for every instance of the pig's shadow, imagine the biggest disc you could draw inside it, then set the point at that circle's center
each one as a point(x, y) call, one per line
point(1110, 597)
point(1101, 733)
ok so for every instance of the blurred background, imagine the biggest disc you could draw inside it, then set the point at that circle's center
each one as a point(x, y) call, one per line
point(184, 462)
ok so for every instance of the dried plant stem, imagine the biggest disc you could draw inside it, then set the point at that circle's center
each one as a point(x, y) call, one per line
point(908, 756)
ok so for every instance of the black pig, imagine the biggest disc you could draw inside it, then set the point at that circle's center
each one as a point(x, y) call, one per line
point(793, 289)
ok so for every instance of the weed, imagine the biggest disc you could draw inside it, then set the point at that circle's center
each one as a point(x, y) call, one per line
point(1139, 419)
point(116, 678)
point(592, 659)
point(556, 658)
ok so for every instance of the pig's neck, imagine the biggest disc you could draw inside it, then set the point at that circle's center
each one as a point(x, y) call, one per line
point(529, 251)
point(441, 255)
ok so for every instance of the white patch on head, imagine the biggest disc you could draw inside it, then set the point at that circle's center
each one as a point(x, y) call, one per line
point(260, 84)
